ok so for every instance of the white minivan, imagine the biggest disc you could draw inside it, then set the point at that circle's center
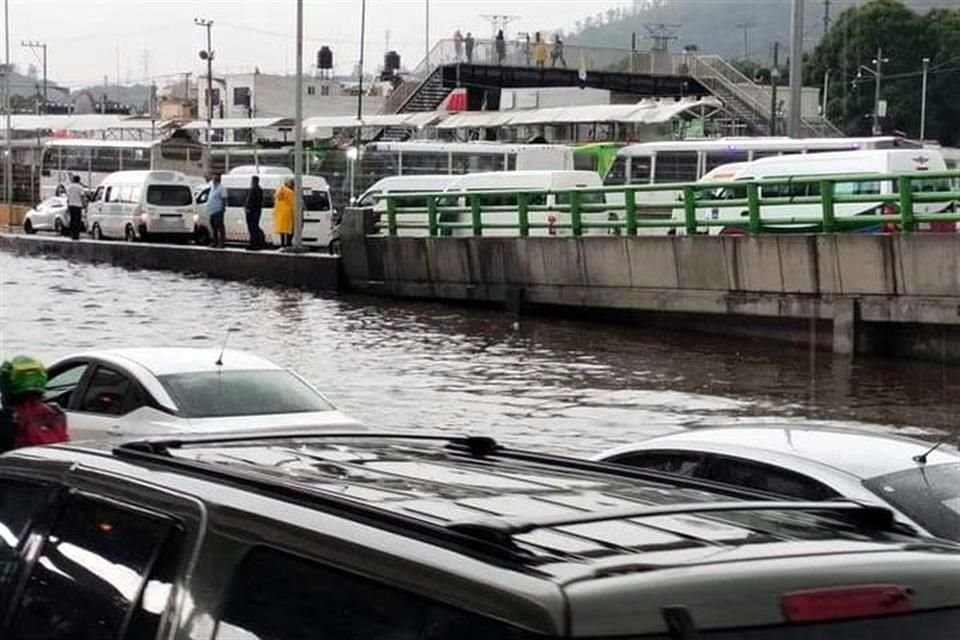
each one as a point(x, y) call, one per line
point(318, 213)
point(879, 161)
point(546, 222)
point(393, 185)
point(142, 205)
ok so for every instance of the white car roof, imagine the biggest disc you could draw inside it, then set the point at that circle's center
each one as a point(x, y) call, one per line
point(171, 360)
point(859, 453)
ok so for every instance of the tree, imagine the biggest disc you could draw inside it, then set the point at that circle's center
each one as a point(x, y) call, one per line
point(905, 38)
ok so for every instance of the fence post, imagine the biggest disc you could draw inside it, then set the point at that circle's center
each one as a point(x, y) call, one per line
point(630, 201)
point(432, 225)
point(523, 214)
point(753, 208)
point(475, 220)
point(906, 203)
point(690, 209)
point(576, 221)
point(826, 202)
point(391, 217)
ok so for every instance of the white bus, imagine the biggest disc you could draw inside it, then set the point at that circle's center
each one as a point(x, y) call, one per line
point(415, 157)
point(93, 160)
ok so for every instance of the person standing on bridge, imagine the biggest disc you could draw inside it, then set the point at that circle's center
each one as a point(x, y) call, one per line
point(283, 213)
point(557, 53)
point(76, 201)
point(216, 208)
point(253, 207)
point(501, 46)
point(468, 46)
point(540, 52)
point(457, 45)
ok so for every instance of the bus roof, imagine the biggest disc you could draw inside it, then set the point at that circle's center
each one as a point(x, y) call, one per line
point(763, 143)
point(85, 143)
point(458, 147)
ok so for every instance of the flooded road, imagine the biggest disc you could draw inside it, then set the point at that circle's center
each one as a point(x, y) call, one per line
point(571, 386)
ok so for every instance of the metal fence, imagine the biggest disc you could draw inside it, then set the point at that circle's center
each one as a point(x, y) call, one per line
point(819, 204)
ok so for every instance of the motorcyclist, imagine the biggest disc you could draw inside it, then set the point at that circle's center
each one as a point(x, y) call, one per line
point(25, 418)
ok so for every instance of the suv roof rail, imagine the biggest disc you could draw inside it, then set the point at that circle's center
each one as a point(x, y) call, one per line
point(502, 529)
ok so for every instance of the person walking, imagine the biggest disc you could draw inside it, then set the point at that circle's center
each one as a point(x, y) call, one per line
point(76, 201)
point(216, 208)
point(557, 52)
point(283, 213)
point(458, 45)
point(540, 52)
point(253, 207)
point(501, 47)
point(468, 47)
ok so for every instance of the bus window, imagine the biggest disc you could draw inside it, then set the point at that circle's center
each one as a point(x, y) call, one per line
point(676, 166)
point(135, 160)
point(789, 190)
point(856, 188)
point(476, 163)
point(585, 162)
point(926, 185)
point(718, 158)
point(640, 170)
point(425, 163)
point(617, 174)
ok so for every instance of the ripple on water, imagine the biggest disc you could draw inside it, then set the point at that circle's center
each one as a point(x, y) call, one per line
point(569, 386)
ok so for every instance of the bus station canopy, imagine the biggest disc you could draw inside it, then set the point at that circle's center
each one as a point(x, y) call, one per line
point(70, 122)
point(411, 120)
point(241, 123)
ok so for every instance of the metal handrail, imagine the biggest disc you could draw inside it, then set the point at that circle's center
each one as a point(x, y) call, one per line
point(680, 206)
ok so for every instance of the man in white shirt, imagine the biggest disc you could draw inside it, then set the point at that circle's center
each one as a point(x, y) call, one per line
point(76, 201)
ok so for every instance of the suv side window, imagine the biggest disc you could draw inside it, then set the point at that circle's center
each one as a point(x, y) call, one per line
point(682, 463)
point(19, 503)
point(63, 382)
point(278, 595)
point(111, 393)
point(90, 580)
point(764, 477)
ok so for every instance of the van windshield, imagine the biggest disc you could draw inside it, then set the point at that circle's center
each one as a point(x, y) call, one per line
point(169, 195)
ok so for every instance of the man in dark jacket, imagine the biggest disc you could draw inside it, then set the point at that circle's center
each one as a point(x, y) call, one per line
point(253, 208)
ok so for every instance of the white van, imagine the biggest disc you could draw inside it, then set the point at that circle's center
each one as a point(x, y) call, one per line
point(372, 197)
point(887, 161)
point(318, 211)
point(142, 205)
point(546, 222)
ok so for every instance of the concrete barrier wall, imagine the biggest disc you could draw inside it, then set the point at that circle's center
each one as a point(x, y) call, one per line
point(310, 271)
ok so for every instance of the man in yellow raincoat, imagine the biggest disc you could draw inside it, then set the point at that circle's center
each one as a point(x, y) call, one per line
point(283, 213)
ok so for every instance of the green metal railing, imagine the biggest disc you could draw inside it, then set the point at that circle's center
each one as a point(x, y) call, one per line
point(743, 206)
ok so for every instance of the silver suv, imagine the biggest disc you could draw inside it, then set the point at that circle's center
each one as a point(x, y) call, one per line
point(389, 537)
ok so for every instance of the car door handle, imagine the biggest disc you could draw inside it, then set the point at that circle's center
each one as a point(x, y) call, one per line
point(115, 430)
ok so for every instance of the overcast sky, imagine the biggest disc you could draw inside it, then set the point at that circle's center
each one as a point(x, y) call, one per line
point(88, 39)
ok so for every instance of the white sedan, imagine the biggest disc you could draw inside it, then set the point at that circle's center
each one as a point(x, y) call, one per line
point(49, 215)
point(162, 391)
point(919, 480)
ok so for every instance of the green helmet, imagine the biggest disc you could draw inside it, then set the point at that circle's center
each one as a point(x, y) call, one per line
point(22, 375)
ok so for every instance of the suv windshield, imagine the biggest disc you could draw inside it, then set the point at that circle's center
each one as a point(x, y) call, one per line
point(929, 495)
point(169, 195)
point(212, 394)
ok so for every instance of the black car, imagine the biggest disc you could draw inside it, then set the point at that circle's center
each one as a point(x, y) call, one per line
point(389, 537)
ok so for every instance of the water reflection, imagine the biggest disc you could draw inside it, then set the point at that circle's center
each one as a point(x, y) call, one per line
point(569, 385)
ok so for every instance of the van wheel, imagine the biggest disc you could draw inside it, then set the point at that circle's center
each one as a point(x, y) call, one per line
point(58, 227)
point(129, 234)
point(28, 227)
point(96, 232)
point(335, 247)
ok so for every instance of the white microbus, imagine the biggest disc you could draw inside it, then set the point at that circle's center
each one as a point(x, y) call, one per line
point(825, 164)
point(142, 205)
point(318, 211)
point(550, 222)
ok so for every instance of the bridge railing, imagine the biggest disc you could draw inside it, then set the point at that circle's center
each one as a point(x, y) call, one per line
point(927, 201)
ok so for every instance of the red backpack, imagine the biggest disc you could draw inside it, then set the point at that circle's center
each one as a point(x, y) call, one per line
point(37, 423)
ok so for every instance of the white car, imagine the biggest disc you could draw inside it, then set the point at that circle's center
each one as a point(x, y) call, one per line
point(162, 391)
point(919, 480)
point(49, 215)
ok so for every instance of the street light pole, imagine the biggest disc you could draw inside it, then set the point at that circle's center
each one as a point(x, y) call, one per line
point(878, 73)
point(353, 155)
point(298, 138)
point(796, 66)
point(30, 44)
point(208, 56)
point(923, 99)
point(826, 89)
point(774, 80)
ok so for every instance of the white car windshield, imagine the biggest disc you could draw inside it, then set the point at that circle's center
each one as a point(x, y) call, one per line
point(218, 394)
point(930, 495)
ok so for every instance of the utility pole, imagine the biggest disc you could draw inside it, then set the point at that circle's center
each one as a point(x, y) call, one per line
point(876, 91)
point(746, 30)
point(207, 55)
point(796, 66)
point(826, 16)
point(774, 80)
point(298, 139)
point(826, 93)
point(923, 99)
point(42, 46)
point(8, 152)
point(353, 154)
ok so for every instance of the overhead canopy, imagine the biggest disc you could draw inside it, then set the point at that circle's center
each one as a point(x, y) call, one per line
point(412, 120)
point(241, 123)
point(647, 111)
point(71, 122)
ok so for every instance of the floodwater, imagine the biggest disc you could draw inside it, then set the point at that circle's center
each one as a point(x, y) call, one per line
point(570, 386)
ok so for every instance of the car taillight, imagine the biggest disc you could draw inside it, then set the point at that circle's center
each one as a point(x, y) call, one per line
point(839, 603)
